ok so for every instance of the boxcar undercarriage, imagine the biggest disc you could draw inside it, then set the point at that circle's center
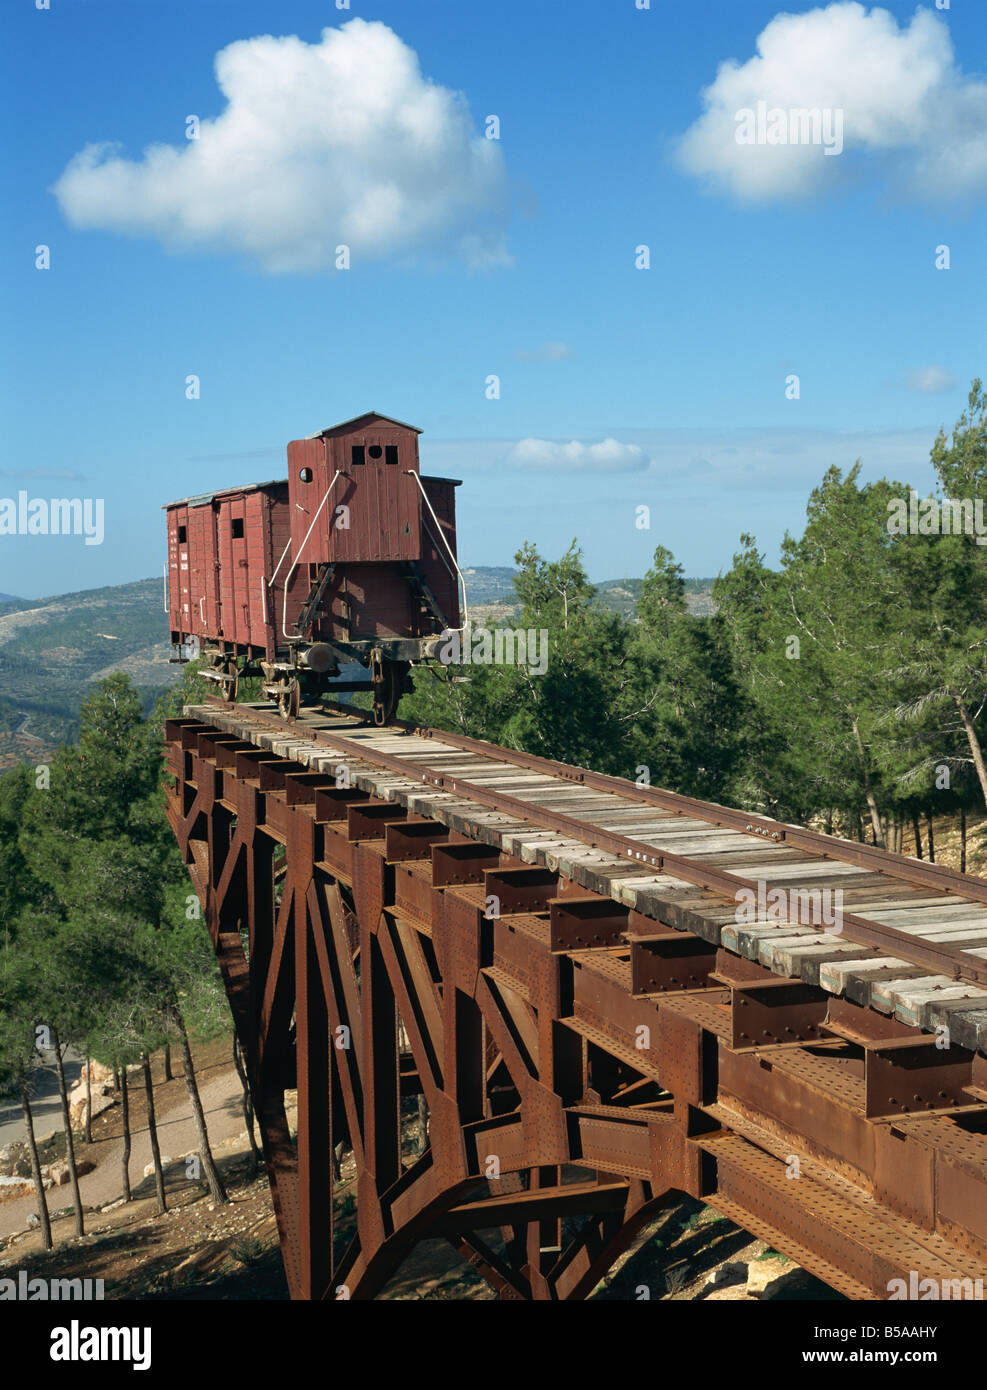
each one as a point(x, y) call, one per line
point(301, 676)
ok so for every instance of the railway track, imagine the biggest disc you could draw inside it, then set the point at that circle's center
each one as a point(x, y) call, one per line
point(911, 937)
point(607, 994)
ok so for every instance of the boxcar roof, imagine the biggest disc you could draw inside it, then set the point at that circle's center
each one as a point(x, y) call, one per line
point(361, 420)
point(201, 498)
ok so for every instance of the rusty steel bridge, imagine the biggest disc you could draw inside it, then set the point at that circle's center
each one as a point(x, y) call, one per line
point(554, 959)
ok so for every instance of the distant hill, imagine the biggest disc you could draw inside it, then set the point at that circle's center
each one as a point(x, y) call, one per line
point(490, 584)
point(492, 598)
point(52, 648)
point(622, 596)
point(9, 598)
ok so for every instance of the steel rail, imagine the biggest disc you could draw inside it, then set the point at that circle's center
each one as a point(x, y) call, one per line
point(940, 957)
point(936, 876)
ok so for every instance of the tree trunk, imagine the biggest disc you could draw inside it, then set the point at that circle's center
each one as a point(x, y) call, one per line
point(167, 1062)
point(962, 839)
point(248, 1106)
point(80, 1228)
point(918, 836)
point(152, 1130)
point(89, 1100)
point(875, 816)
point(125, 1159)
point(39, 1186)
point(932, 842)
point(974, 742)
point(215, 1182)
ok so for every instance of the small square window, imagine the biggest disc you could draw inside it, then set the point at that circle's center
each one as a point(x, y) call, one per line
point(182, 535)
point(358, 455)
point(390, 453)
point(238, 528)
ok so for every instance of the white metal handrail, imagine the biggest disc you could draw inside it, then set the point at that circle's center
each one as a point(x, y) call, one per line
point(438, 527)
point(301, 551)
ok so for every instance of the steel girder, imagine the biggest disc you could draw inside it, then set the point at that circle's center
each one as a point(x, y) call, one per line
point(577, 1077)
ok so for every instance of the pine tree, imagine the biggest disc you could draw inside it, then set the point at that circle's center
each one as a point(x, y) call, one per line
point(680, 705)
point(18, 1061)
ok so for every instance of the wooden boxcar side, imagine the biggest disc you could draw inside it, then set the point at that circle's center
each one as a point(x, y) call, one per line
point(223, 550)
point(203, 570)
point(246, 564)
point(179, 598)
point(231, 548)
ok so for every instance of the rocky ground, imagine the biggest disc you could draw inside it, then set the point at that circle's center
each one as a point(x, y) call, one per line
point(947, 838)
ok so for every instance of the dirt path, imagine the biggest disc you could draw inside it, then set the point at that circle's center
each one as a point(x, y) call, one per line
point(222, 1101)
point(46, 1108)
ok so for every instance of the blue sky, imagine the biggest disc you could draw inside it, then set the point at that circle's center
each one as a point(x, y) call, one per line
point(523, 267)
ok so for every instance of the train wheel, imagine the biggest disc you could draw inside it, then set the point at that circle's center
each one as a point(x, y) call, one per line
point(289, 699)
point(230, 683)
point(388, 688)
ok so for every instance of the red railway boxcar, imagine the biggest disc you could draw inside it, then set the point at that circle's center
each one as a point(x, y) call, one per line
point(352, 558)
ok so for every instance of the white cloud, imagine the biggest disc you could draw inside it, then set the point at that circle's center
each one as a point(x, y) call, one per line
point(545, 352)
point(549, 455)
point(930, 381)
point(904, 102)
point(343, 141)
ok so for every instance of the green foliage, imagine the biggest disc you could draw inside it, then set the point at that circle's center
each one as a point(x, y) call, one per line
point(48, 663)
point(18, 886)
point(961, 462)
point(192, 689)
point(840, 685)
point(562, 713)
point(105, 946)
point(678, 709)
point(615, 695)
point(811, 641)
point(862, 662)
point(248, 1250)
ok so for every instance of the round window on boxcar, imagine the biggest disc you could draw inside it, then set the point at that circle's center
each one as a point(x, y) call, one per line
point(306, 475)
point(375, 451)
